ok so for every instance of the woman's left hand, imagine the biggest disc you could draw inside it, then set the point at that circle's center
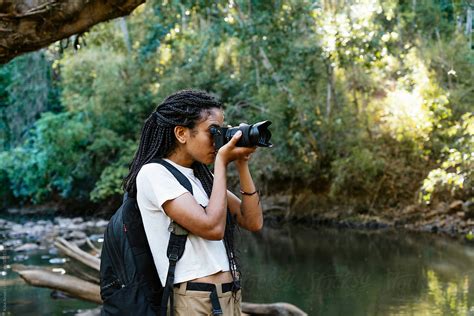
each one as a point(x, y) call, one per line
point(243, 161)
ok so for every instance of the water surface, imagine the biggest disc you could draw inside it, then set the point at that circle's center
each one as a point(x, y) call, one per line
point(344, 272)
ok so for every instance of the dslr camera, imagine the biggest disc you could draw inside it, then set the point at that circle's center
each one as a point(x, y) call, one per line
point(256, 134)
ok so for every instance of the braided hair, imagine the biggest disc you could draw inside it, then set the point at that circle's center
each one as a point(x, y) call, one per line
point(183, 108)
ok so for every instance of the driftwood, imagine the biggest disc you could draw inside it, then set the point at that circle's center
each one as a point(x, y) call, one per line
point(68, 284)
point(283, 309)
point(73, 251)
point(73, 268)
point(95, 250)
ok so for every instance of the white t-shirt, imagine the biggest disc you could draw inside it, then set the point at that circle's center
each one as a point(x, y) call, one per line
point(201, 257)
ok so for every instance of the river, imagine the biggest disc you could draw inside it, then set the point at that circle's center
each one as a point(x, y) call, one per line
point(323, 271)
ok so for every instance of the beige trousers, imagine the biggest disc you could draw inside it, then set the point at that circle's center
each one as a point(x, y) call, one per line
point(194, 303)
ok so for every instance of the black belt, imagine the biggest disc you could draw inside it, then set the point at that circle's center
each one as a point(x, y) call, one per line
point(210, 287)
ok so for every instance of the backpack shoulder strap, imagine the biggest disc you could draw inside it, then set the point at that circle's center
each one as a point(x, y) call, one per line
point(177, 242)
point(176, 173)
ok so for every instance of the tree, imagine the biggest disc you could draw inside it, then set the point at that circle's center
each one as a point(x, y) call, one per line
point(29, 25)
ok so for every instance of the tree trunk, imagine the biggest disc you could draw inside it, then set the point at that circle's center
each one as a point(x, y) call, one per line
point(126, 37)
point(469, 18)
point(331, 90)
point(28, 25)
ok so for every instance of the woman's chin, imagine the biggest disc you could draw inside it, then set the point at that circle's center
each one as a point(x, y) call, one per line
point(211, 159)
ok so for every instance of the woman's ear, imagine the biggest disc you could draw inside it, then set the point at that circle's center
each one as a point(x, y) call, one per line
point(181, 134)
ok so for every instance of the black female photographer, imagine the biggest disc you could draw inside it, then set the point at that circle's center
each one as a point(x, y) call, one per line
point(179, 131)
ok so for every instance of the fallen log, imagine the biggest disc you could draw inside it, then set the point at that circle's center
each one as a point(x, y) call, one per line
point(88, 291)
point(70, 285)
point(73, 251)
point(78, 270)
point(281, 309)
point(96, 251)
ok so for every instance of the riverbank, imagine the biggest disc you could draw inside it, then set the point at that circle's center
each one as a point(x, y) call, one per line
point(455, 219)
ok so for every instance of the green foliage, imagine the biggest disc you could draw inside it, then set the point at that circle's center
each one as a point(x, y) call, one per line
point(370, 96)
point(104, 92)
point(110, 182)
point(26, 90)
point(5, 81)
point(52, 161)
point(454, 177)
point(357, 174)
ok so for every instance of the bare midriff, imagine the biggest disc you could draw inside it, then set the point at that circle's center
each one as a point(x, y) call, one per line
point(219, 277)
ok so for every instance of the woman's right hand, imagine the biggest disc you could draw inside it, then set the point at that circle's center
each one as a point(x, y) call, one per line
point(230, 152)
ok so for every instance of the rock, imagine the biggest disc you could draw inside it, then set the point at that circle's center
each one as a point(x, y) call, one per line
point(35, 231)
point(462, 224)
point(12, 243)
point(53, 251)
point(90, 312)
point(27, 247)
point(101, 223)
point(76, 227)
point(96, 237)
point(44, 222)
point(432, 213)
point(77, 220)
point(411, 209)
point(468, 208)
point(455, 207)
point(57, 260)
point(76, 235)
point(19, 258)
point(17, 227)
point(90, 224)
point(79, 242)
point(62, 221)
point(55, 294)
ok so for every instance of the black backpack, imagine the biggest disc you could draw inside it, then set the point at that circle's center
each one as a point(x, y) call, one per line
point(129, 282)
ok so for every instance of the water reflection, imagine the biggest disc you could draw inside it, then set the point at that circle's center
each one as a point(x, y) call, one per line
point(337, 272)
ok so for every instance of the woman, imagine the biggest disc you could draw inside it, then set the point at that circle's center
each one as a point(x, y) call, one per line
point(179, 131)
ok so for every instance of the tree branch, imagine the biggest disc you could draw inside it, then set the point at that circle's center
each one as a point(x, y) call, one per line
point(27, 25)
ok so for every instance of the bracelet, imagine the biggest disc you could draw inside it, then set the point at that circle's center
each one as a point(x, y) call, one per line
point(247, 193)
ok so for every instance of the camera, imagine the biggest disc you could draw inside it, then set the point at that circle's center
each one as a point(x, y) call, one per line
point(252, 135)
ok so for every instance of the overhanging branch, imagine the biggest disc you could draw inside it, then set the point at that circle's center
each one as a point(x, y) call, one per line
point(28, 25)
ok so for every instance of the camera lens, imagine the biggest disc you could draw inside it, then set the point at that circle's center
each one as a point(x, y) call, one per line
point(261, 134)
point(252, 135)
point(256, 134)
